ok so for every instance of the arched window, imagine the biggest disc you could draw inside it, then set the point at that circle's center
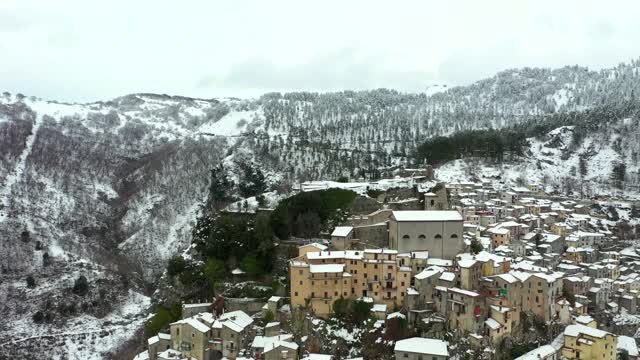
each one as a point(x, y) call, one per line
point(454, 236)
point(405, 237)
point(438, 236)
point(422, 237)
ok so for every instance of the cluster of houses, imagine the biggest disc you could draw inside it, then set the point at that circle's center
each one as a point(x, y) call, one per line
point(471, 259)
point(477, 259)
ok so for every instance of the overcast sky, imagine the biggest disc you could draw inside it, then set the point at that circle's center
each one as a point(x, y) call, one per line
point(96, 50)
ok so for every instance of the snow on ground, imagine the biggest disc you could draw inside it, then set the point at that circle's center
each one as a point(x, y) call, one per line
point(271, 201)
point(85, 337)
point(553, 161)
point(232, 124)
point(16, 175)
point(360, 187)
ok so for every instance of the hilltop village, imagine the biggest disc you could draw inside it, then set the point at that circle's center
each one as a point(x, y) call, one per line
point(468, 270)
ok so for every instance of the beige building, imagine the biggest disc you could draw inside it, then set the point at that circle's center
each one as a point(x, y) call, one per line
point(438, 232)
point(583, 342)
point(191, 337)
point(318, 279)
point(158, 344)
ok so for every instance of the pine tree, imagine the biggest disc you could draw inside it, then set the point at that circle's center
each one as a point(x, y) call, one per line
point(219, 189)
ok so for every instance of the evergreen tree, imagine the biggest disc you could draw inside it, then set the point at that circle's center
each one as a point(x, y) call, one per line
point(253, 182)
point(220, 189)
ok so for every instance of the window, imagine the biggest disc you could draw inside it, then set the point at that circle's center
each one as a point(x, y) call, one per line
point(300, 282)
point(422, 237)
point(295, 294)
point(454, 236)
point(313, 294)
point(438, 236)
point(375, 266)
point(300, 272)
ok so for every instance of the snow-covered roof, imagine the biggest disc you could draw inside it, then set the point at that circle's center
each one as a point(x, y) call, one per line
point(576, 330)
point(276, 344)
point(439, 262)
point(234, 320)
point(317, 357)
point(259, 342)
point(507, 277)
point(498, 231)
point(342, 231)
point(466, 263)
point(492, 324)
point(464, 292)
point(542, 352)
point(629, 344)
point(396, 315)
point(380, 251)
point(316, 245)
point(584, 319)
point(428, 272)
point(348, 254)
point(447, 276)
point(326, 268)
point(427, 215)
point(379, 308)
point(420, 345)
point(161, 336)
point(194, 323)
point(190, 306)
point(420, 254)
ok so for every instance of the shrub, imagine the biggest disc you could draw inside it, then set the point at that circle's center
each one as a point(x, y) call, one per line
point(176, 265)
point(31, 282)
point(81, 286)
point(38, 317)
point(163, 317)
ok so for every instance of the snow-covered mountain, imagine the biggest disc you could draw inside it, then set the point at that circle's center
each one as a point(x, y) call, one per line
point(110, 190)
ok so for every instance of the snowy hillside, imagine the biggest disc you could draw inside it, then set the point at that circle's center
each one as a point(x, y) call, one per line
point(562, 164)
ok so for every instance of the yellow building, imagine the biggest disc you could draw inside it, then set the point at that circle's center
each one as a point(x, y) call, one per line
point(312, 247)
point(561, 228)
point(583, 342)
point(318, 279)
point(499, 236)
point(501, 321)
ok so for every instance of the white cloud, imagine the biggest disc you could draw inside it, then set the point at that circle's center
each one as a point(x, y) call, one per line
point(83, 51)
